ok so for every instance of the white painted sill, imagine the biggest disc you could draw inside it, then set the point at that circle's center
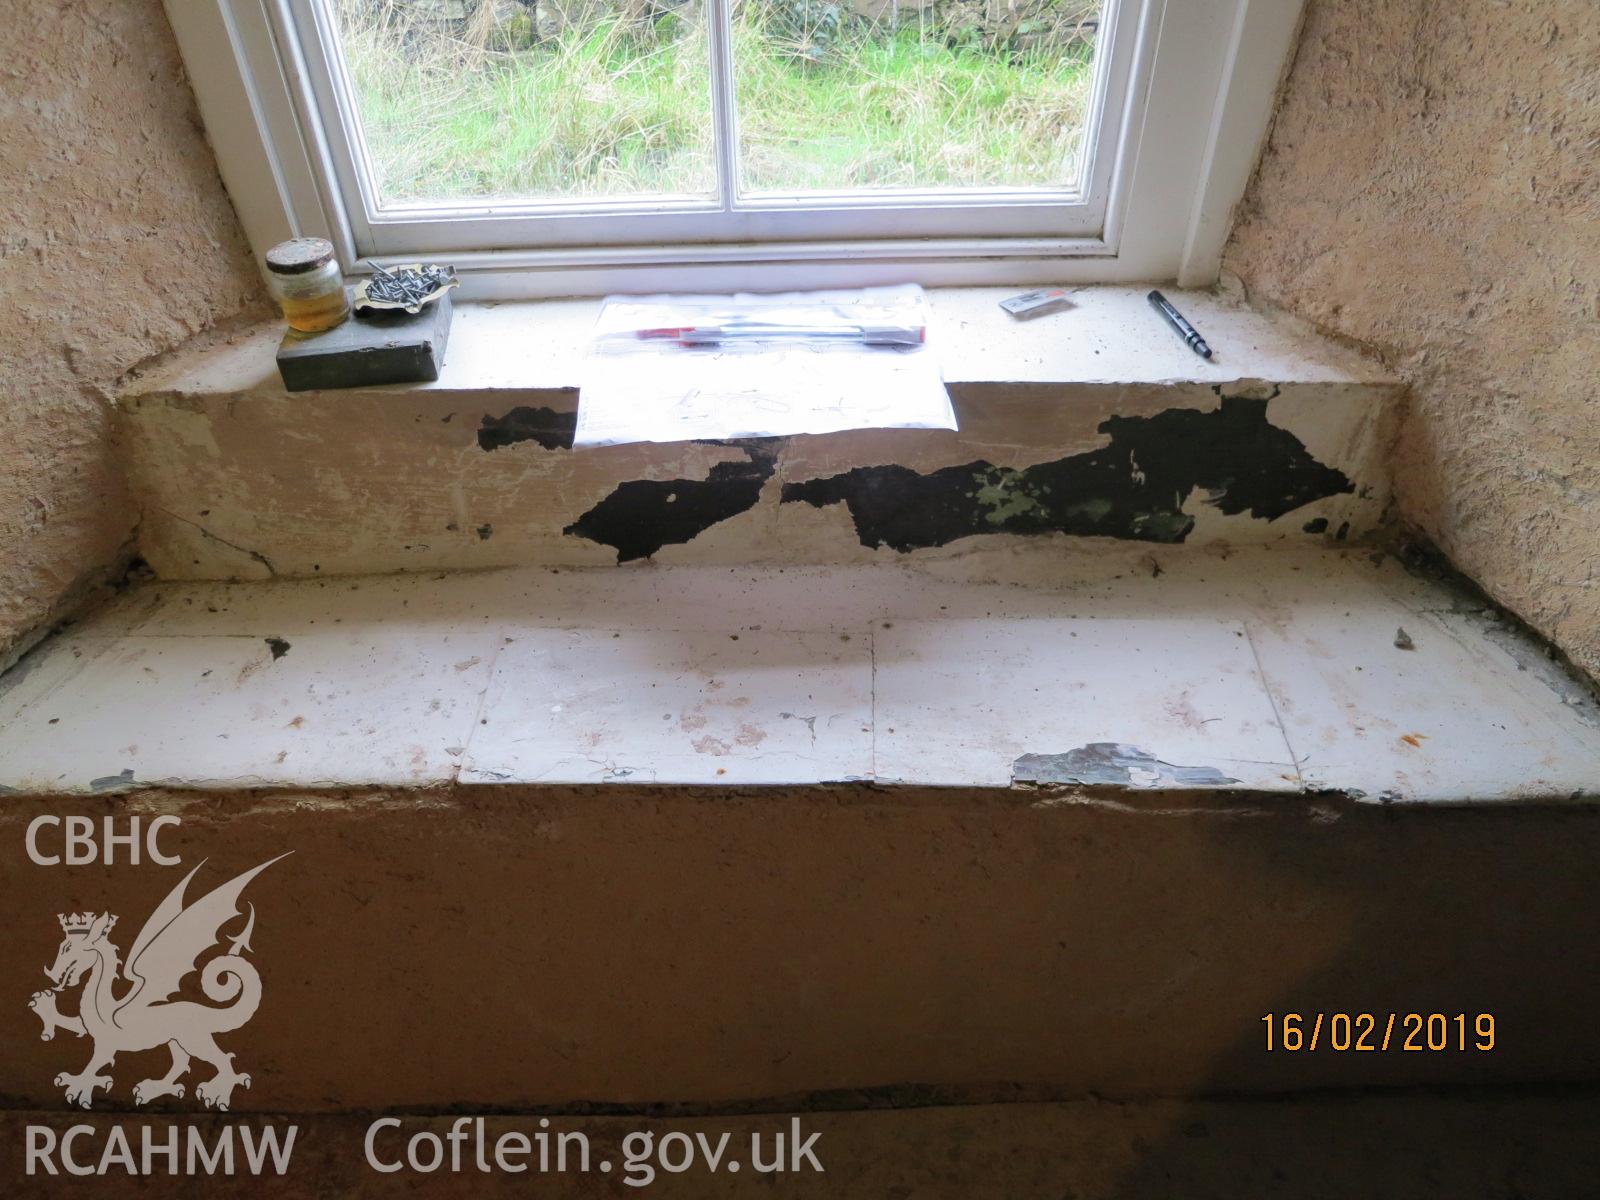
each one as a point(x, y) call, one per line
point(1110, 337)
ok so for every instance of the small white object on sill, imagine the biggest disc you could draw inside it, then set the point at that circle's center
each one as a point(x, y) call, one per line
point(711, 367)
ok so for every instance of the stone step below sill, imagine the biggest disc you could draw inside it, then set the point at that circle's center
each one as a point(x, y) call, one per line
point(602, 813)
point(1265, 672)
point(1096, 422)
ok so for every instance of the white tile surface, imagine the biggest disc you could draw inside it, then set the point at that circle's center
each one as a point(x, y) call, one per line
point(41, 672)
point(1438, 722)
point(1526, 667)
point(960, 701)
point(193, 711)
point(979, 666)
point(676, 707)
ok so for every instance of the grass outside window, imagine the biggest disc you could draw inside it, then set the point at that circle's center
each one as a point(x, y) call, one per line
point(477, 100)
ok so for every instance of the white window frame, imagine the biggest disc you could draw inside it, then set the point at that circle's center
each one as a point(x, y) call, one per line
point(1165, 167)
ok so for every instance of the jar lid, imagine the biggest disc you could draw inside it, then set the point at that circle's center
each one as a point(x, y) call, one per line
point(299, 255)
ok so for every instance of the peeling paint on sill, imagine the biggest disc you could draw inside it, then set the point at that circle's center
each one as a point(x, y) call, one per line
point(113, 783)
point(1133, 488)
point(643, 515)
point(1115, 764)
point(551, 429)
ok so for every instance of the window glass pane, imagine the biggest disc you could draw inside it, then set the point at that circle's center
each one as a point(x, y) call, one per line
point(838, 95)
point(476, 100)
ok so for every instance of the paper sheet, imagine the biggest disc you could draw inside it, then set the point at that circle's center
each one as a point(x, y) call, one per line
point(637, 389)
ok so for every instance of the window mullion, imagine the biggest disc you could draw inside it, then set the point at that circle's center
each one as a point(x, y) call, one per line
point(724, 113)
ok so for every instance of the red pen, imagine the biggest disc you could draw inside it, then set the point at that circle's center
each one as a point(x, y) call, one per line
point(712, 335)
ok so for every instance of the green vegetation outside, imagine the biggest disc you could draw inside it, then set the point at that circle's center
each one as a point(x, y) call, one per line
point(617, 102)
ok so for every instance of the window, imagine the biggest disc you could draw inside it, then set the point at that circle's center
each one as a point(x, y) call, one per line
point(571, 146)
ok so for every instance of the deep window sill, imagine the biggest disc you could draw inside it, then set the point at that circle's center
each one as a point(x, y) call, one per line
point(1110, 337)
point(1094, 425)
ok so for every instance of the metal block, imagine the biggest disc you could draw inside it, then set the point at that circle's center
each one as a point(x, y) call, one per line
point(396, 348)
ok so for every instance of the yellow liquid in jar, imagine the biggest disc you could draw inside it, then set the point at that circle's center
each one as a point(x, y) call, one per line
point(313, 314)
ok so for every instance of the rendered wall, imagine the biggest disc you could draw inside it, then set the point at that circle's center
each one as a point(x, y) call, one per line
point(521, 948)
point(1431, 188)
point(117, 242)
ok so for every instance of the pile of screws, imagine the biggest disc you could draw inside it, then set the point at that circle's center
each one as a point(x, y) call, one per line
point(408, 287)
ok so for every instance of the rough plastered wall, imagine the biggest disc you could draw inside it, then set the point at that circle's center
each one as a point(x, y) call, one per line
point(116, 242)
point(1432, 187)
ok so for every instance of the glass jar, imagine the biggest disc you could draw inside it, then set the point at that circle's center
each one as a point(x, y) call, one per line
point(303, 277)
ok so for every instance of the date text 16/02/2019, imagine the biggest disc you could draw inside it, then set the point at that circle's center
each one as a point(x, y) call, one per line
point(1370, 1031)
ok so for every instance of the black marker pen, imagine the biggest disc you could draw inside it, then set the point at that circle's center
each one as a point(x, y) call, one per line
point(1190, 335)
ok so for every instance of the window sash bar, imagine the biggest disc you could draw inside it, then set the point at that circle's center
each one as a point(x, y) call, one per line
point(724, 109)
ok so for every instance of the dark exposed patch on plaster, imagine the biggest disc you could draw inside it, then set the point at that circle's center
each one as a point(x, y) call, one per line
point(485, 532)
point(1316, 525)
point(643, 515)
point(110, 783)
point(551, 429)
point(1135, 487)
point(810, 722)
point(278, 646)
point(1112, 763)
